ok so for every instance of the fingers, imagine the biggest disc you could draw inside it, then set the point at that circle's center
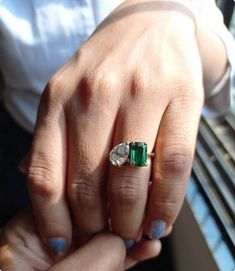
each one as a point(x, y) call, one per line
point(143, 250)
point(47, 171)
point(172, 165)
point(90, 132)
point(128, 186)
point(104, 252)
point(168, 230)
point(20, 247)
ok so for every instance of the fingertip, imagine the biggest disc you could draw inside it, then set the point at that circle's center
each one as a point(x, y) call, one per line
point(168, 230)
point(58, 246)
point(141, 251)
point(55, 228)
point(157, 229)
point(147, 249)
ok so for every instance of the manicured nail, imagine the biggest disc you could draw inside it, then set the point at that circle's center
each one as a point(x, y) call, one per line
point(157, 229)
point(58, 245)
point(129, 244)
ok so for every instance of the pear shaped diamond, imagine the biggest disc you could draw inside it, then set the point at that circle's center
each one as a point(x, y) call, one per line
point(119, 154)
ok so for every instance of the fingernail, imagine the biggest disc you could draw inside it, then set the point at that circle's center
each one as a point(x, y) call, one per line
point(129, 244)
point(58, 245)
point(157, 229)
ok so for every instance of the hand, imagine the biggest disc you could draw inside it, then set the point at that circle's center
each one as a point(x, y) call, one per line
point(138, 78)
point(21, 249)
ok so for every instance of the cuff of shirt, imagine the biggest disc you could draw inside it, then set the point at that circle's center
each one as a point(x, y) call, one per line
point(222, 96)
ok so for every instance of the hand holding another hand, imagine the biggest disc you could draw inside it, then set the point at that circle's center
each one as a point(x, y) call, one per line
point(138, 78)
point(21, 249)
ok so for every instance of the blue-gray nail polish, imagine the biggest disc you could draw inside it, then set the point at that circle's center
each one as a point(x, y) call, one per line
point(157, 229)
point(129, 244)
point(58, 245)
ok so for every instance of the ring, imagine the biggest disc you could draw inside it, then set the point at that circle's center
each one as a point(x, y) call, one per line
point(134, 153)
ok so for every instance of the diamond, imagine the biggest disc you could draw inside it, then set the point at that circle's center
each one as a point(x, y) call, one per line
point(119, 154)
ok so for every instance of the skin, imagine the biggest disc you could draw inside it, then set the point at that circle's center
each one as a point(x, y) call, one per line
point(21, 249)
point(142, 76)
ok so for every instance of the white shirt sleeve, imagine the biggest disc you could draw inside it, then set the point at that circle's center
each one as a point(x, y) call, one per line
point(222, 96)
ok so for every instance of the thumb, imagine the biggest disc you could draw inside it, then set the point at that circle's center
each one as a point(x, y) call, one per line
point(105, 252)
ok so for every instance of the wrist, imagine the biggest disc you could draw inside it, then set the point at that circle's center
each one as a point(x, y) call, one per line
point(208, 43)
point(165, 14)
point(211, 49)
point(213, 56)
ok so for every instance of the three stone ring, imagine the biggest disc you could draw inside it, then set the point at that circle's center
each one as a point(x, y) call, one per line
point(134, 153)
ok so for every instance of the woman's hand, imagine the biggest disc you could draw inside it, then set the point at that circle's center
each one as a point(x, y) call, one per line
point(138, 78)
point(21, 249)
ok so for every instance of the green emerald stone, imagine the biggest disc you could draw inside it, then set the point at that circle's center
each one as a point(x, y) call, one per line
point(138, 154)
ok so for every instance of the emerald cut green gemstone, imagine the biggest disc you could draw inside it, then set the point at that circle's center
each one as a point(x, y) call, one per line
point(138, 154)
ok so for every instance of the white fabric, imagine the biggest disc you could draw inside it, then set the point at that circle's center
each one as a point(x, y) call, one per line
point(38, 36)
point(222, 96)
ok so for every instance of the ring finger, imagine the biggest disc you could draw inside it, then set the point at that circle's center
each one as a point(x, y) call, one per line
point(128, 185)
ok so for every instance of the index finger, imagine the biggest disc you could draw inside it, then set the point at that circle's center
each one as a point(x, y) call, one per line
point(46, 174)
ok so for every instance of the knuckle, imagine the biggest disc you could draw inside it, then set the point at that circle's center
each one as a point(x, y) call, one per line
point(83, 52)
point(186, 89)
point(53, 93)
point(106, 79)
point(42, 179)
point(139, 85)
point(56, 84)
point(126, 190)
point(99, 85)
point(105, 82)
point(175, 160)
point(84, 193)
